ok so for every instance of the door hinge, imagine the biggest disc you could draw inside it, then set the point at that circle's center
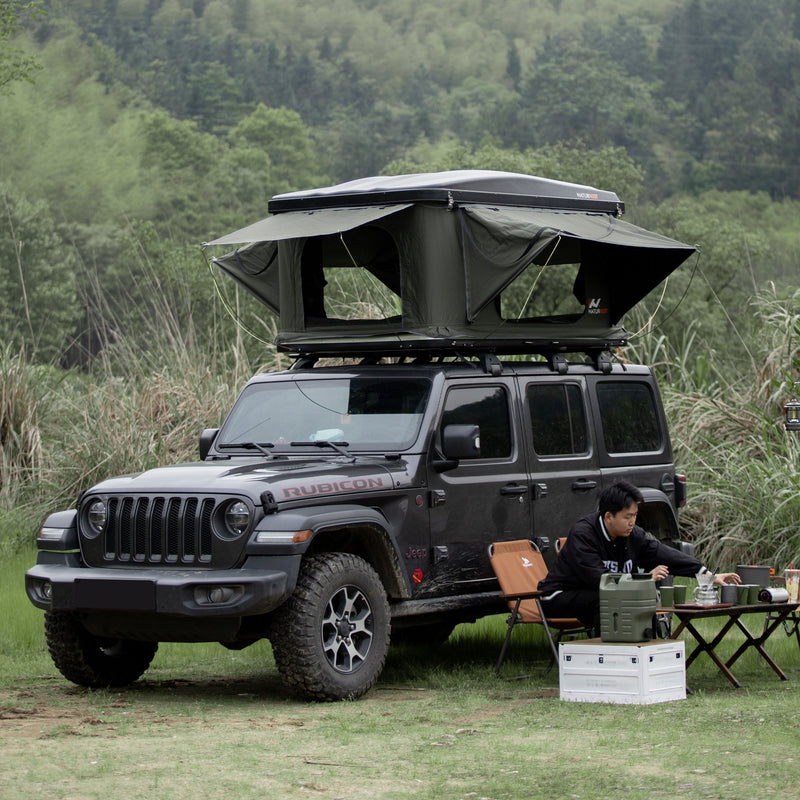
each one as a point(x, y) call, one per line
point(438, 497)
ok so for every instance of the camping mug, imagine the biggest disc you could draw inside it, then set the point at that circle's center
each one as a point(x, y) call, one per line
point(728, 593)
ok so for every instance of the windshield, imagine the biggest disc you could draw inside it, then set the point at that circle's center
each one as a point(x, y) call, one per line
point(363, 413)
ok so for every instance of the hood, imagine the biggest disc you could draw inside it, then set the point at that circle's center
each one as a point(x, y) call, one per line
point(287, 480)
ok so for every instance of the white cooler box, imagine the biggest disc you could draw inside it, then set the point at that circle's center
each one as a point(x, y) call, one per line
point(593, 671)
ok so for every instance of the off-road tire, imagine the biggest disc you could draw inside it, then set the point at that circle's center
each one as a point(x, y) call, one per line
point(331, 637)
point(92, 661)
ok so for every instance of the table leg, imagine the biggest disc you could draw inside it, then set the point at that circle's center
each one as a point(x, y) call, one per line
point(704, 646)
point(796, 630)
point(758, 642)
point(790, 625)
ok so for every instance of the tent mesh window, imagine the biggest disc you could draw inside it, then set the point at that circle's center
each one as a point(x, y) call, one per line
point(542, 292)
point(351, 276)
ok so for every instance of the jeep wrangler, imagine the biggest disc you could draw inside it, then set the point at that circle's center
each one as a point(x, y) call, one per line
point(354, 496)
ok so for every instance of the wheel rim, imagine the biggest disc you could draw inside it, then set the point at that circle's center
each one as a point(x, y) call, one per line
point(347, 629)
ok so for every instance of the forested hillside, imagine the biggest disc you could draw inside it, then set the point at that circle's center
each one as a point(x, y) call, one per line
point(703, 94)
point(155, 124)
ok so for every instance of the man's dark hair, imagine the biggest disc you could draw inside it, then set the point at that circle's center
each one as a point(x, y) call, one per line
point(618, 496)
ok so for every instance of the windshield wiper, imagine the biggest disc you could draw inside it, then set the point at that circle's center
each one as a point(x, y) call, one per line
point(339, 447)
point(260, 446)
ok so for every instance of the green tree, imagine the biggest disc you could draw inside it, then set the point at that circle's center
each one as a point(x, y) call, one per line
point(38, 302)
point(708, 296)
point(754, 135)
point(625, 43)
point(514, 67)
point(574, 94)
point(283, 136)
point(15, 65)
point(179, 159)
point(213, 97)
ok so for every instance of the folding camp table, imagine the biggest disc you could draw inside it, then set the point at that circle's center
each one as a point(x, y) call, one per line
point(688, 614)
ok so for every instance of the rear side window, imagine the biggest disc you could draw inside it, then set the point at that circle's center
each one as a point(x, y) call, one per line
point(628, 416)
point(558, 419)
point(486, 406)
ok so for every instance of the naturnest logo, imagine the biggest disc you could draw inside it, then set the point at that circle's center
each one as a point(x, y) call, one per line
point(595, 306)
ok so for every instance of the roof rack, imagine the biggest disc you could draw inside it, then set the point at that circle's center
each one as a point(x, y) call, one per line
point(353, 348)
point(487, 359)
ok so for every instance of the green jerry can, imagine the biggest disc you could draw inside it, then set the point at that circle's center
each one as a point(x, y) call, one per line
point(627, 607)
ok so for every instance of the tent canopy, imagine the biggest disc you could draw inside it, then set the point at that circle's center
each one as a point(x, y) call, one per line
point(296, 224)
point(448, 262)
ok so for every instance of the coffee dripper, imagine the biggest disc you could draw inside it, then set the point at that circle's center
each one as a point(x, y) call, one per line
point(706, 593)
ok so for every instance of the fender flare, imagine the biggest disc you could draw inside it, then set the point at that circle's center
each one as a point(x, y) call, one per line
point(384, 556)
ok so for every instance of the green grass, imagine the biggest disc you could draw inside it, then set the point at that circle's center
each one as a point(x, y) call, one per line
point(437, 725)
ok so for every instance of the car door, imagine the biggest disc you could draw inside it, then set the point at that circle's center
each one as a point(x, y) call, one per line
point(562, 457)
point(482, 499)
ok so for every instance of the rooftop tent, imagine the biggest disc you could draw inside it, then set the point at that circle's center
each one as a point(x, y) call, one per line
point(442, 253)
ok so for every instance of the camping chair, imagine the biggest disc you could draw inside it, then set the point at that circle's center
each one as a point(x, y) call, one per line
point(519, 567)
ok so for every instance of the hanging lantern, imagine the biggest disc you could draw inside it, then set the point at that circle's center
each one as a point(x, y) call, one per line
point(792, 409)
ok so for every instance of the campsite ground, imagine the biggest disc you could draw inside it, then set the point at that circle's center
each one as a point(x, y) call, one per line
point(444, 728)
point(205, 722)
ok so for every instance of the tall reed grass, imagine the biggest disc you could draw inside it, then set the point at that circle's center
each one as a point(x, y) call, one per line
point(142, 402)
point(728, 433)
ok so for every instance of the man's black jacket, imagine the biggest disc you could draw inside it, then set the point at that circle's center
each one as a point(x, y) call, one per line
point(589, 552)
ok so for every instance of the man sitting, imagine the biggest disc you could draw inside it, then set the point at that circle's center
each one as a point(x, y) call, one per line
point(610, 541)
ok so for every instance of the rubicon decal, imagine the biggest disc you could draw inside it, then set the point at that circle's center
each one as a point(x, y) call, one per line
point(332, 487)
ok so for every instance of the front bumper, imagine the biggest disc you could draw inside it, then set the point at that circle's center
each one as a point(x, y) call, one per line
point(182, 593)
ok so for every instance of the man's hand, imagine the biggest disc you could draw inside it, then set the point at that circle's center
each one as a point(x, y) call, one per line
point(727, 577)
point(660, 572)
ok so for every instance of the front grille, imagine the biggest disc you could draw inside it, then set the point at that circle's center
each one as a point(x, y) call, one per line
point(159, 530)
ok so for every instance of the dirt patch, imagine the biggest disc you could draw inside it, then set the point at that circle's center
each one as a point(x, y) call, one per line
point(242, 738)
point(47, 707)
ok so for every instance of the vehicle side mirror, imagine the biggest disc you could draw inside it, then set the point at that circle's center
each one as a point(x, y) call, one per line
point(206, 440)
point(461, 441)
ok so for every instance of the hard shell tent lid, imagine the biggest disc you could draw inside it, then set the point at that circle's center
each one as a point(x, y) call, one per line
point(467, 259)
point(456, 186)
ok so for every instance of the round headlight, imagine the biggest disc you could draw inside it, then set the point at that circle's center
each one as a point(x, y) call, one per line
point(237, 517)
point(97, 515)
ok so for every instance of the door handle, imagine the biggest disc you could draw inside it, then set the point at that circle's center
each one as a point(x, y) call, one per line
point(513, 490)
point(583, 485)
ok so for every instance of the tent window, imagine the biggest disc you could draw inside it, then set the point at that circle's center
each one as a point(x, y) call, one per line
point(353, 276)
point(541, 292)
